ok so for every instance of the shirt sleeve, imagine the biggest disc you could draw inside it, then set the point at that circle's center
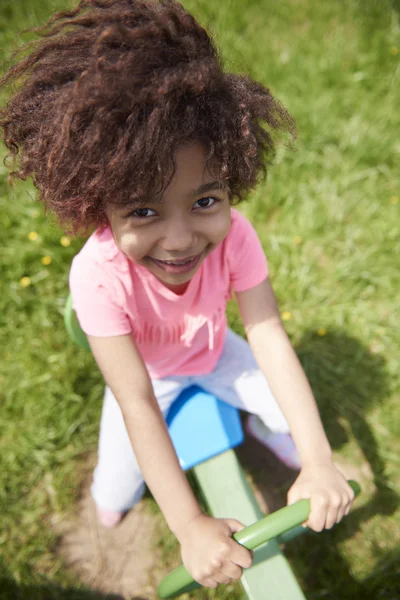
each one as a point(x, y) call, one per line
point(247, 260)
point(94, 301)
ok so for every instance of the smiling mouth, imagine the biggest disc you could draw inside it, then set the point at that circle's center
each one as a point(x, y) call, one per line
point(182, 265)
point(182, 261)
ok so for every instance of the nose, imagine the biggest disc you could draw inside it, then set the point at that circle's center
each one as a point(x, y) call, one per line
point(179, 235)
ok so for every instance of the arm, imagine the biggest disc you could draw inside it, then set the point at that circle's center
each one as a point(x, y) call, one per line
point(124, 371)
point(319, 479)
point(126, 374)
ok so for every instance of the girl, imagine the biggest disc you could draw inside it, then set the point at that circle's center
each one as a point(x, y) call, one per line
point(130, 127)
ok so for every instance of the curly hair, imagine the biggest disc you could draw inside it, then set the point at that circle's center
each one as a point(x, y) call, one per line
point(103, 99)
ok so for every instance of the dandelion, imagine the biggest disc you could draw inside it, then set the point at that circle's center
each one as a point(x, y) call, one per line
point(322, 331)
point(394, 200)
point(298, 239)
point(376, 347)
point(65, 241)
point(46, 260)
point(33, 236)
point(394, 51)
point(286, 315)
point(25, 282)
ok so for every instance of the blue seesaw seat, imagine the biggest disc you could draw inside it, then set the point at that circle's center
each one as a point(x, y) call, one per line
point(202, 426)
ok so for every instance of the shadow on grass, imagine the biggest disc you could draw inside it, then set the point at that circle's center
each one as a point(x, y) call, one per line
point(10, 590)
point(395, 5)
point(374, 12)
point(347, 381)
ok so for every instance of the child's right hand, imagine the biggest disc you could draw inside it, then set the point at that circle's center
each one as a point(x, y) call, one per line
point(210, 554)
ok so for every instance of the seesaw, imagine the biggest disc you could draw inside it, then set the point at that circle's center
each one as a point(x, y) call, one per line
point(204, 431)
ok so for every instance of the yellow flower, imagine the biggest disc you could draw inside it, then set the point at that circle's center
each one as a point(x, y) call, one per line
point(65, 241)
point(298, 239)
point(322, 331)
point(25, 281)
point(46, 260)
point(33, 236)
point(394, 50)
point(376, 346)
point(394, 199)
point(286, 315)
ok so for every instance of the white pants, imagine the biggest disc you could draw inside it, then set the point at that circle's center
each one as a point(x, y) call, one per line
point(117, 481)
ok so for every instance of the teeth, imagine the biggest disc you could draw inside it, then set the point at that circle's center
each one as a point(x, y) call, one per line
point(179, 264)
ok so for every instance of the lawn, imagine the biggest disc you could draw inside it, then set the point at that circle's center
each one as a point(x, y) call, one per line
point(329, 220)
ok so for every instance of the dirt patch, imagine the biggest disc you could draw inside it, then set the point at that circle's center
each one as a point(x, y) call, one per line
point(123, 561)
point(126, 560)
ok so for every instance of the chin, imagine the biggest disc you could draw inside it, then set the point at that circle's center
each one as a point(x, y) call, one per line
point(176, 280)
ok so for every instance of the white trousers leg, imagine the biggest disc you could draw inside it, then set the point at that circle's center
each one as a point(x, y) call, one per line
point(117, 481)
point(238, 380)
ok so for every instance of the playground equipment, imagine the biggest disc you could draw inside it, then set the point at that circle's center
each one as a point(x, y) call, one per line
point(204, 431)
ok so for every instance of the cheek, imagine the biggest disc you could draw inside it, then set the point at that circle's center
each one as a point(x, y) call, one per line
point(220, 225)
point(132, 244)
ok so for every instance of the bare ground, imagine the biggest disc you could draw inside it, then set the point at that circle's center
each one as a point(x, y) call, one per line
point(128, 561)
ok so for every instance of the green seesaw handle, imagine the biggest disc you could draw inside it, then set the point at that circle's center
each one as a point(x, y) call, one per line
point(251, 537)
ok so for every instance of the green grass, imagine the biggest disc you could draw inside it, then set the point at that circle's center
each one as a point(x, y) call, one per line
point(329, 220)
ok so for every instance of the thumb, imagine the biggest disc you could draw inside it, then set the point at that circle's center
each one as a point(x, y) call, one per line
point(234, 525)
point(294, 496)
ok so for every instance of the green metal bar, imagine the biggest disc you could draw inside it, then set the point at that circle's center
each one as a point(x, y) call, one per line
point(292, 534)
point(72, 325)
point(228, 494)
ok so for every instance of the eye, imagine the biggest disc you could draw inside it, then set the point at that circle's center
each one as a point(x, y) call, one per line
point(142, 213)
point(205, 202)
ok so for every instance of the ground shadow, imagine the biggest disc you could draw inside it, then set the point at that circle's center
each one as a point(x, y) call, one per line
point(347, 381)
point(10, 590)
point(395, 5)
point(374, 13)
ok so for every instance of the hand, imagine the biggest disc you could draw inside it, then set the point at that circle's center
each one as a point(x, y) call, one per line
point(330, 495)
point(210, 554)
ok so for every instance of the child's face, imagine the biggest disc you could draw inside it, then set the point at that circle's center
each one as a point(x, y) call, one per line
point(171, 238)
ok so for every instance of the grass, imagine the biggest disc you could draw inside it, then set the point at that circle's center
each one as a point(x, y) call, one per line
point(329, 221)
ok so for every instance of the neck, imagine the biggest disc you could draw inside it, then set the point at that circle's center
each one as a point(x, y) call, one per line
point(177, 289)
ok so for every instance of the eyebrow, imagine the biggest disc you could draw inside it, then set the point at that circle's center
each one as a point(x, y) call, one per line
point(202, 189)
point(206, 187)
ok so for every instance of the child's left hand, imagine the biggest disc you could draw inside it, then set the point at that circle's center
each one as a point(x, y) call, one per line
point(330, 495)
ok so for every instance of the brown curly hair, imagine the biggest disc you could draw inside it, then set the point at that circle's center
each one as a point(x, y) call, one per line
point(103, 99)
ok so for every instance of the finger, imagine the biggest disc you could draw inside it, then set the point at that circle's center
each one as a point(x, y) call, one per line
point(234, 525)
point(240, 555)
point(348, 505)
point(344, 509)
point(335, 509)
point(231, 570)
point(318, 513)
point(293, 496)
point(341, 513)
point(208, 582)
point(331, 518)
point(348, 508)
point(221, 578)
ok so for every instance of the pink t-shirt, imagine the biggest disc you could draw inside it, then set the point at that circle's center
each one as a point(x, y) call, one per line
point(176, 334)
